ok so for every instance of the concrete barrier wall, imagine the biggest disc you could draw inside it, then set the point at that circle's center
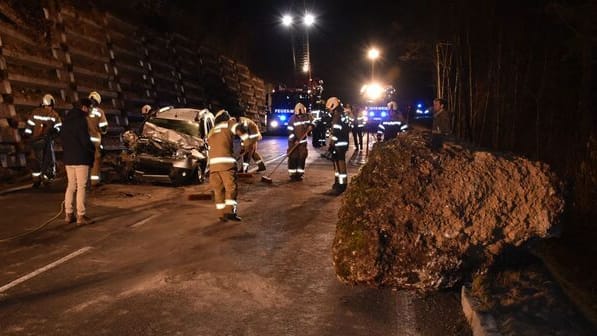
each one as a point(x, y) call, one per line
point(81, 51)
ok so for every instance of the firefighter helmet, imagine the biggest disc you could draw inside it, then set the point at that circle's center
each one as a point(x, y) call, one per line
point(300, 109)
point(393, 105)
point(95, 96)
point(48, 100)
point(145, 109)
point(332, 103)
point(222, 116)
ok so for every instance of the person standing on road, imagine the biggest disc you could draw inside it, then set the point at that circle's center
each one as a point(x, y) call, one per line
point(43, 126)
point(98, 125)
point(249, 133)
point(78, 156)
point(442, 119)
point(389, 129)
point(358, 121)
point(299, 126)
point(222, 165)
point(339, 143)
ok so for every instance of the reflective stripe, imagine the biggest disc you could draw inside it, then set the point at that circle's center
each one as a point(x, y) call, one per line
point(342, 178)
point(335, 138)
point(222, 125)
point(94, 139)
point(231, 202)
point(290, 128)
point(392, 123)
point(58, 125)
point(95, 178)
point(258, 162)
point(36, 174)
point(292, 171)
point(95, 113)
point(341, 144)
point(404, 127)
point(44, 118)
point(337, 126)
point(31, 122)
point(220, 206)
point(28, 131)
point(254, 136)
point(299, 123)
point(379, 132)
point(337, 174)
point(291, 136)
point(222, 160)
point(103, 124)
point(304, 141)
point(244, 137)
point(233, 129)
point(245, 164)
point(381, 127)
point(300, 170)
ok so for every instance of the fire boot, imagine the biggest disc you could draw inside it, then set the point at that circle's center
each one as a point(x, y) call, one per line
point(261, 166)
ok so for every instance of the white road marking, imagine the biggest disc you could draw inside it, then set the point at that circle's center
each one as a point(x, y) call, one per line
point(144, 221)
point(43, 269)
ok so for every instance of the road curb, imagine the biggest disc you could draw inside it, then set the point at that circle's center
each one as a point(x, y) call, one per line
point(482, 323)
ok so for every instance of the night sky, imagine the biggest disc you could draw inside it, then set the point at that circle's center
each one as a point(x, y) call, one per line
point(251, 32)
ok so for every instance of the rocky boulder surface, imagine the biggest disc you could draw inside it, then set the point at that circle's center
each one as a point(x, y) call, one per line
point(422, 216)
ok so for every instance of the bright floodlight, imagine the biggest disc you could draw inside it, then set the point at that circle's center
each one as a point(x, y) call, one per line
point(373, 91)
point(309, 20)
point(306, 68)
point(373, 53)
point(287, 20)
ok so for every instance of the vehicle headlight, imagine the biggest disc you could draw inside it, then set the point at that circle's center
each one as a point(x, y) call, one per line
point(274, 124)
point(181, 154)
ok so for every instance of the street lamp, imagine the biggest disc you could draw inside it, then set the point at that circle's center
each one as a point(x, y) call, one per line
point(309, 19)
point(287, 20)
point(373, 55)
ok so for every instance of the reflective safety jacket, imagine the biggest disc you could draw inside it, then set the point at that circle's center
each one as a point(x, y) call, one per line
point(389, 129)
point(97, 124)
point(360, 119)
point(253, 134)
point(298, 126)
point(41, 121)
point(340, 129)
point(221, 141)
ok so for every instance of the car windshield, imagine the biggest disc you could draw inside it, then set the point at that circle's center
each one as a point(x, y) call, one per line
point(180, 126)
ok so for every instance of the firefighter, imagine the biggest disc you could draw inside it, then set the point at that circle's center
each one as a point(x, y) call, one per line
point(98, 125)
point(321, 123)
point(43, 125)
point(357, 126)
point(249, 133)
point(389, 129)
point(299, 126)
point(222, 165)
point(339, 143)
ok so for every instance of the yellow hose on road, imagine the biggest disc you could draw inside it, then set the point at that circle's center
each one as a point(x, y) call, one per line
point(21, 235)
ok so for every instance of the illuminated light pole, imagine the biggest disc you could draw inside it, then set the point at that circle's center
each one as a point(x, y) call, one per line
point(308, 21)
point(288, 21)
point(373, 55)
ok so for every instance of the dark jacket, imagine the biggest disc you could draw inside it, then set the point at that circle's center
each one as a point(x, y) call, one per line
point(442, 123)
point(78, 148)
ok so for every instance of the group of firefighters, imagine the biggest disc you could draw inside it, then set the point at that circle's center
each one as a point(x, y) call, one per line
point(43, 126)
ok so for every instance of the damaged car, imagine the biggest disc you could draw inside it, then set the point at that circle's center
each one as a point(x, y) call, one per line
point(171, 147)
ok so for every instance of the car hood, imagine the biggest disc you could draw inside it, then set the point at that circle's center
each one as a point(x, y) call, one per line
point(182, 140)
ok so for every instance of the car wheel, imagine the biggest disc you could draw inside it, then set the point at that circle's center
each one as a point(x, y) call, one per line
point(180, 177)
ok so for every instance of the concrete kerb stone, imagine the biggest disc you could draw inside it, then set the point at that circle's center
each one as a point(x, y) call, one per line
point(482, 323)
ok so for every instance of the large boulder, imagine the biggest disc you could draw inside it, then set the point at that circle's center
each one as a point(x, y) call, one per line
point(423, 216)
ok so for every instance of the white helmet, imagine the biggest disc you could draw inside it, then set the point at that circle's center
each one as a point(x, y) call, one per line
point(393, 105)
point(332, 103)
point(300, 109)
point(95, 96)
point(145, 109)
point(48, 100)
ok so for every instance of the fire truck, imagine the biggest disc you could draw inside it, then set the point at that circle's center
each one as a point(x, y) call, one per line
point(281, 103)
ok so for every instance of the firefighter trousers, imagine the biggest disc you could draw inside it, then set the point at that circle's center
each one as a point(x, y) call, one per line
point(250, 152)
point(42, 160)
point(224, 186)
point(357, 137)
point(97, 166)
point(297, 159)
point(340, 171)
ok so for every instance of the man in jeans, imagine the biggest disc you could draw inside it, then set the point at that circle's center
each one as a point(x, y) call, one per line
point(78, 157)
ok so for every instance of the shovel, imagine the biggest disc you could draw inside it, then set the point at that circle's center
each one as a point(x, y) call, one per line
point(268, 178)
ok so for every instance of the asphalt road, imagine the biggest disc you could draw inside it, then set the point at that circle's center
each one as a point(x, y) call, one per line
point(157, 263)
